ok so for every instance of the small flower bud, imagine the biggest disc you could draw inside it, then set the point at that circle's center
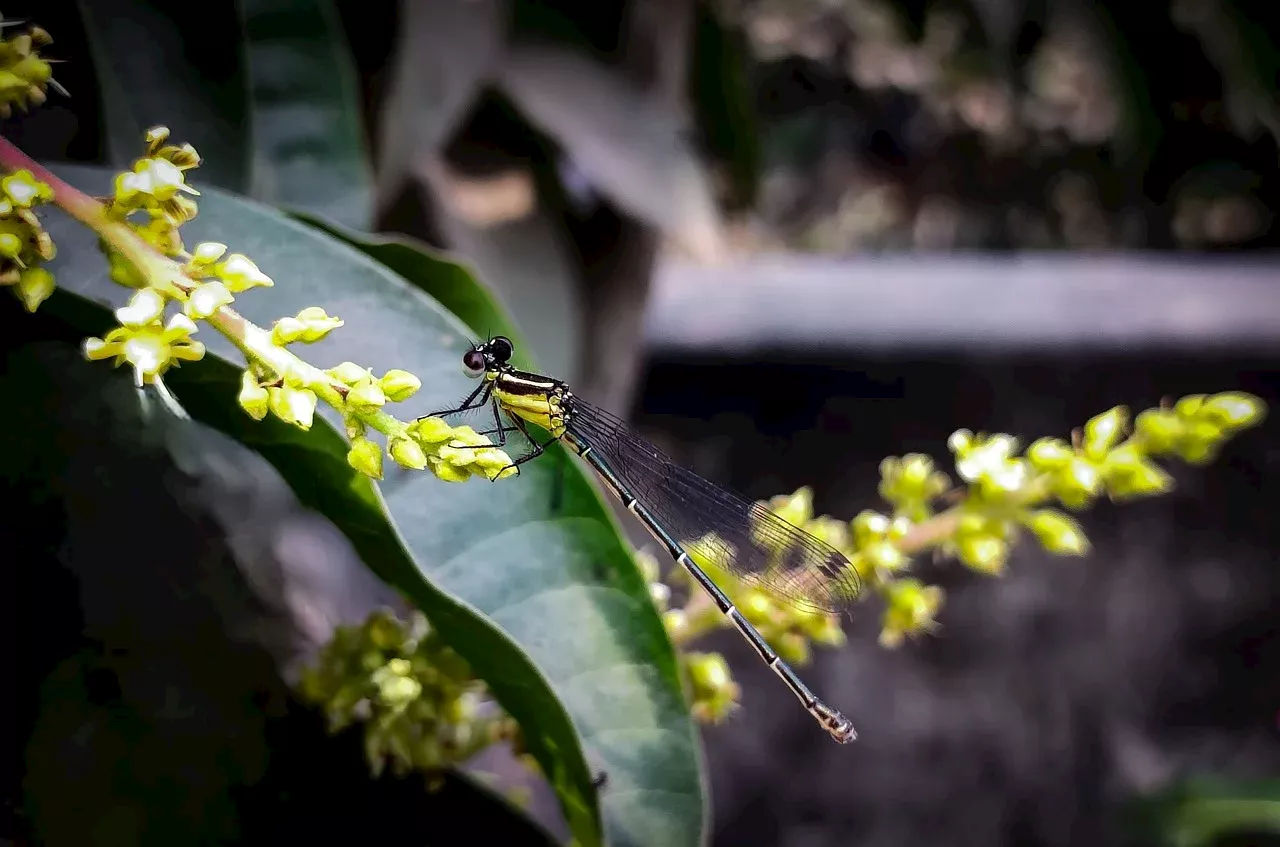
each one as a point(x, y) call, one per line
point(348, 373)
point(293, 405)
point(1104, 431)
point(407, 453)
point(399, 385)
point(869, 526)
point(983, 553)
point(659, 594)
point(366, 394)
point(796, 508)
point(709, 672)
point(206, 254)
point(448, 472)
point(885, 556)
point(1199, 443)
point(1189, 407)
point(154, 137)
point(756, 607)
point(35, 285)
point(207, 298)
point(431, 430)
point(253, 397)
point(241, 274)
point(793, 648)
point(675, 621)
point(366, 457)
point(1077, 482)
point(648, 566)
point(122, 271)
point(1159, 430)
point(1234, 410)
point(1140, 478)
point(910, 608)
point(960, 441)
point(310, 325)
point(144, 307)
point(1057, 532)
point(11, 245)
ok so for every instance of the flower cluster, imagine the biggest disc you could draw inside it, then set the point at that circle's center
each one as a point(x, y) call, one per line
point(25, 76)
point(142, 240)
point(23, 242)
point(420, 706)
point(145, 339)
point(1006, 495)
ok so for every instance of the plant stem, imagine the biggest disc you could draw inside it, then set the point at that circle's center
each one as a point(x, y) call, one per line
point(929, 533)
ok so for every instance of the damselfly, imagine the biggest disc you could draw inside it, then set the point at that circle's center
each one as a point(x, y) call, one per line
point(675, 505)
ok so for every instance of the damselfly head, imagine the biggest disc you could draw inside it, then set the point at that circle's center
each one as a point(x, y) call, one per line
point(486, 355)
point(500, 348)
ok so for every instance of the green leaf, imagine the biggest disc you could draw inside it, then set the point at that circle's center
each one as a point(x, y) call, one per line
point(550, 571)
point(1200, 812)
point(450, 282)
point(121, 435)
point(173, 64)
point(304, 111)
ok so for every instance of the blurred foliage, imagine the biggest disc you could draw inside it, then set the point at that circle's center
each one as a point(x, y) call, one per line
point(1210, 812)
point(1016, 123)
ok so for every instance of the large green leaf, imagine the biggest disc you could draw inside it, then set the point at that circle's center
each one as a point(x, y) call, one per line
point(304, 111)
point(126, 452)
point(445, 279)
point(550, 571)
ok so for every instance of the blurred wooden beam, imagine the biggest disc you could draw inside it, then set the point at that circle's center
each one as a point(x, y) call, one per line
point(975, 302)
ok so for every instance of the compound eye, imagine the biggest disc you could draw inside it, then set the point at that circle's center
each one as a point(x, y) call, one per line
point(473, 363)
point(501, 349)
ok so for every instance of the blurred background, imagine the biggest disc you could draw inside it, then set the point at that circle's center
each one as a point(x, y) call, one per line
point(789, 238)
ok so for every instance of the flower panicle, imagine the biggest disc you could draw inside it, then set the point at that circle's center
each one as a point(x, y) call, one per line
point(421, 707)
point(154, 200)
point(1007, 495)
point(25, 74)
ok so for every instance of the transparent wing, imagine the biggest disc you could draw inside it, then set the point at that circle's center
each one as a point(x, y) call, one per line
point(743, 538)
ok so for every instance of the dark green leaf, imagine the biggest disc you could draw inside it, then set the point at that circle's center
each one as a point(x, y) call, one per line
point(126, 451)
point(176, 65)
point(448, 281)
point(1200, 812)
point(304, 111)
point(551, 571)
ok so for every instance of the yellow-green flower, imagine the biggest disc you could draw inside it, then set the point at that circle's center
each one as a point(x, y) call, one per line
point(150, 347)
point(989, 463)
point(32, 285)
point(293, 405)
point(253, 397)
point(25, 76)
point(911, 607)
point(714, 693)
point(911, 483)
